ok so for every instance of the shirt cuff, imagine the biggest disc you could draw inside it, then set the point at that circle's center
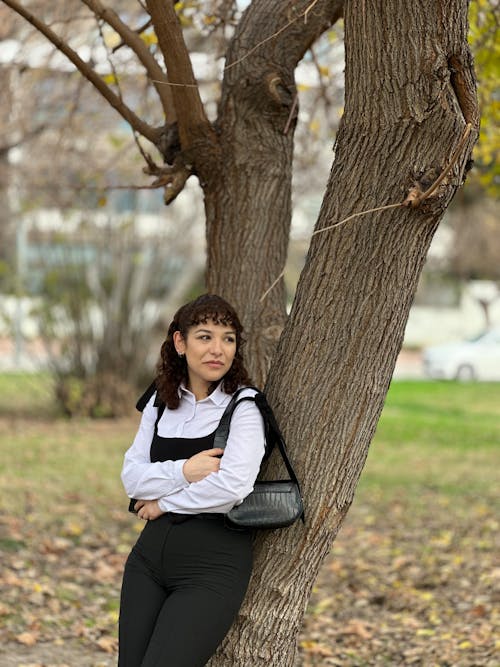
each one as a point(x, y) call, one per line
point(178, 472)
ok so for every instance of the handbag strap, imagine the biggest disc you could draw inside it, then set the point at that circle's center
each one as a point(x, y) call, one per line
point(272, 432)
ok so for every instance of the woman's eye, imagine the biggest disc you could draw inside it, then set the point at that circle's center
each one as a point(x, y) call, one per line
point(230, 339)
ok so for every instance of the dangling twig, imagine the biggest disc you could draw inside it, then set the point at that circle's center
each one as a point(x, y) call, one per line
point(273, 285)
point(356, 215)
point(290, 115)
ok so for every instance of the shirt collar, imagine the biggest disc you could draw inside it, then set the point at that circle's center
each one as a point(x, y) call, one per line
point(218, 397)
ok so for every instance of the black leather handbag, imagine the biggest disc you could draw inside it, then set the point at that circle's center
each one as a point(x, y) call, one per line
point(272, 504)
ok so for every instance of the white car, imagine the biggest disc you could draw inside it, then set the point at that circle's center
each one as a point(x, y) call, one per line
point(476, 359)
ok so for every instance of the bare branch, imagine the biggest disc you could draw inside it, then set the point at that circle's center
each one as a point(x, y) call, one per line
point(138, 31)
point(108, 57)
point(133, 40)
point(192, 121)
point(5, 148)
point(147, 131)
point(323, 88)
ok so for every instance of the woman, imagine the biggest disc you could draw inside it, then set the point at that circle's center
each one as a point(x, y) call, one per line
point(186, 577)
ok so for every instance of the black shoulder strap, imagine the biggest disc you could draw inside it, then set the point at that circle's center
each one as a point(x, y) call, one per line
point(145, 397)
point(270, 426)
point(143, 400)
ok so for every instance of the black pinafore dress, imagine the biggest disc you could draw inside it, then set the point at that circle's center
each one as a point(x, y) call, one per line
point(232, 545)
point(174, 449)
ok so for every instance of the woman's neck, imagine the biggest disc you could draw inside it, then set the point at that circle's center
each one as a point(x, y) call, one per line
point(199, 389)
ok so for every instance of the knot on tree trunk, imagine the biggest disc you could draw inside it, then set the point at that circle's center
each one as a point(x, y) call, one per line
point(169, 143)
point(278, 91)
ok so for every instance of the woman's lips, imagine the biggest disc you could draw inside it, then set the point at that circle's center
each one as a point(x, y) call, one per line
point(214, 364)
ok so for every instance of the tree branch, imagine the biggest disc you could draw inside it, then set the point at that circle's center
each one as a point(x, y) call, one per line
point(290, 36)
point(147, 131)
point(133, 40)
point(5, 148)
point(192, 121)
point(138, 31)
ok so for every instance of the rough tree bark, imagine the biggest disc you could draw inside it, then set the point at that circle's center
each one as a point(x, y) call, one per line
point(409, 94)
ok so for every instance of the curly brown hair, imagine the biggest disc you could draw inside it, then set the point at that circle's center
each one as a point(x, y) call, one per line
point(172, 370)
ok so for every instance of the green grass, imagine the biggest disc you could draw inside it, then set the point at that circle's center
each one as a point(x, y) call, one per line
point(447, 414)
point(26, 394)
point(433, 437)
point(68, 463)
point(436, 437)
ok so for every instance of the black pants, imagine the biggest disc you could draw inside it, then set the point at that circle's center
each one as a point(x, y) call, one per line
point(182, 587)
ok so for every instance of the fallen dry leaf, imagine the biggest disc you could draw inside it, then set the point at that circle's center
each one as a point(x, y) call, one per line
point(107, 644)
point(27, 638)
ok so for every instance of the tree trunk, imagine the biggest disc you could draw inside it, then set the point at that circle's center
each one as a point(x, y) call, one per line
point(248, 199)
point(7, 227)
point(406, 110)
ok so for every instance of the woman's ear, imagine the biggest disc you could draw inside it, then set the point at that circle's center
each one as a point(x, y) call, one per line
point(179, 343)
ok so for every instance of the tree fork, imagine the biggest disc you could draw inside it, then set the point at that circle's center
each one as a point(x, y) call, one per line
point(248, 209)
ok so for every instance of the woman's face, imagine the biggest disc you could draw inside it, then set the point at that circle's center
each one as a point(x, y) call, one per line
point(209, 349)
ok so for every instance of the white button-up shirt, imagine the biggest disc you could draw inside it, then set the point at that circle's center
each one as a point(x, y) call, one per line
point(165, 481)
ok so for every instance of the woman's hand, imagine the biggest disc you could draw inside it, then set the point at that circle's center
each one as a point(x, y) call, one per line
point(148, 509)
point(202, 464)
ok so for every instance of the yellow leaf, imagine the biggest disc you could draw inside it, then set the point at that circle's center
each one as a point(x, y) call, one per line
point(73, 528)
point(425, 632)
point(426, 595)
point(314, 125)
point(322, 605)
point(434, 618)
point(149, 38)
point(113, 616)
point(109, 79)
point(465, 644)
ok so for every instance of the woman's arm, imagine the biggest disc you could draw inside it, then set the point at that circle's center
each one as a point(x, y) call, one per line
point(146, 480)
point(220, 491)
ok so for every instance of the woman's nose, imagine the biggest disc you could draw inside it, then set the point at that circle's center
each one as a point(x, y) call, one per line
point(216, 347)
